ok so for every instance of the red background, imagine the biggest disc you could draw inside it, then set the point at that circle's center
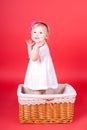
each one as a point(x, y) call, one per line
point(68, 46)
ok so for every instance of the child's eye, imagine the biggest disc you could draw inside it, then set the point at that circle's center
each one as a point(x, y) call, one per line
point(34, 32)
point(40, 32)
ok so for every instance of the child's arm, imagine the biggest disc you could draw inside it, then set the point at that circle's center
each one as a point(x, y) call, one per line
point(29, 46)
point(35, 51)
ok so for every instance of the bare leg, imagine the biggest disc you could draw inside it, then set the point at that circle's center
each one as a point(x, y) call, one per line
point(39, 91)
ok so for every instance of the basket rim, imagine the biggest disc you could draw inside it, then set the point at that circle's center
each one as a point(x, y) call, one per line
point(33, 99)
point(20, 94)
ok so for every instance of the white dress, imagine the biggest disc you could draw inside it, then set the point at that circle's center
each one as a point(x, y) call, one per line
point(40, 74)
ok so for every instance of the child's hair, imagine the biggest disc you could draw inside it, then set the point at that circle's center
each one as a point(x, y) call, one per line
point(37, 24)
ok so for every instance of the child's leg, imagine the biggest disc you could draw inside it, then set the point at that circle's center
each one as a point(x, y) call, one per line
point(39, 91)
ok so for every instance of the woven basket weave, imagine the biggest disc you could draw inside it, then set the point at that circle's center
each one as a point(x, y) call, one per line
point(47, 108)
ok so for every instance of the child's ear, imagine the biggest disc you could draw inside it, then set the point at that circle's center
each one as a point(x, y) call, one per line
point(46, 36)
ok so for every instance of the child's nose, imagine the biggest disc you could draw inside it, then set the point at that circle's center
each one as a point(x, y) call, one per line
point(37, 34)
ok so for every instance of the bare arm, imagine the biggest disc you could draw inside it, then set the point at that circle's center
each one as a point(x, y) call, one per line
point(33, 51)
point(29, 46)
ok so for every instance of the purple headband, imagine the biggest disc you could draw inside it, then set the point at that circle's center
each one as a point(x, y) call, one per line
point(33, 22)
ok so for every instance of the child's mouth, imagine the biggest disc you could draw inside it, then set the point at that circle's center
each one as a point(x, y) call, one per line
point(37, 38)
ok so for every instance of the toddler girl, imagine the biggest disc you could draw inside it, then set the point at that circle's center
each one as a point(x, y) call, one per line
point(40, 74)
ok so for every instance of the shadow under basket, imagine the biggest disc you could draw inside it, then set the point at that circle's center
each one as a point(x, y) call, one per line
point(47, 108)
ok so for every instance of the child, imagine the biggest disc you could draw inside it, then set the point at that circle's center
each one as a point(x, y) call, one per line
point(40, 74)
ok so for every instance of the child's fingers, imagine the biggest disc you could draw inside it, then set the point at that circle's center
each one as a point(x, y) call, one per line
point(32, 43)
point(29, 42)
point(26, 42)
point(41, 44)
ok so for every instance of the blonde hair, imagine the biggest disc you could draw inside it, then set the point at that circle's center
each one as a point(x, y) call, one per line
point(37, 24)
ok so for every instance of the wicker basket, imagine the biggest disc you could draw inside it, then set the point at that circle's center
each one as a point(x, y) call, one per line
point(47, 108)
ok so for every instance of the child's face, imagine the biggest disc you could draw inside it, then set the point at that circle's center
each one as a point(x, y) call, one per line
point(39, 34)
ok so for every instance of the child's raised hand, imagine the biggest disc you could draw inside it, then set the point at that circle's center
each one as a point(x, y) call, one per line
point(40, 44)
point(29, 43)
